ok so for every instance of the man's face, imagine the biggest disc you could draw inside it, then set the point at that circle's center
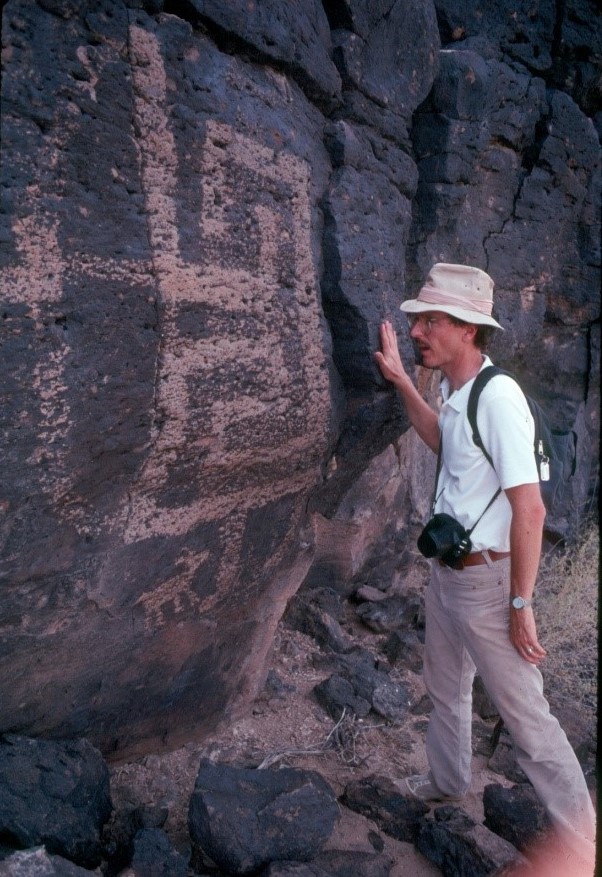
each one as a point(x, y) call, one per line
point(437, 338)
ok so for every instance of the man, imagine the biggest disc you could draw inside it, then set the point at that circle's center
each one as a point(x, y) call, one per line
point(480, 618)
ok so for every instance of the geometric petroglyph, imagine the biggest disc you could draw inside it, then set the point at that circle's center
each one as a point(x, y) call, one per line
point(36, 281)
point(264, 279)
point(237, 290)
point(227, 156)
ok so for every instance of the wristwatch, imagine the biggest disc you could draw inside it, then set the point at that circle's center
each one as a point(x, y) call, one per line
point(520, 603)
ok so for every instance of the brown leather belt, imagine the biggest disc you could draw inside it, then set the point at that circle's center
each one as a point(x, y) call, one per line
point(478, 558)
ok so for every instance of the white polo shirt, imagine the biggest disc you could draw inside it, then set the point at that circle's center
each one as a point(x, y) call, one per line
point(467, 481)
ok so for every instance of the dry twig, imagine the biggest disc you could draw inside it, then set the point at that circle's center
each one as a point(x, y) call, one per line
point(342, 737)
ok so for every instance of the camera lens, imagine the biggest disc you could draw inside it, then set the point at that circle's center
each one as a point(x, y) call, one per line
point(444, 537)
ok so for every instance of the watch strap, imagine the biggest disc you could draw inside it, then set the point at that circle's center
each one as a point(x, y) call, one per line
point(519, 602)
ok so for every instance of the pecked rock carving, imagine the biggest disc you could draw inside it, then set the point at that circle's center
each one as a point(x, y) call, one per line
point(207, 209)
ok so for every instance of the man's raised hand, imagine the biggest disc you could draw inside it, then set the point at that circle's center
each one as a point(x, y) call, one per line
point(388, 358)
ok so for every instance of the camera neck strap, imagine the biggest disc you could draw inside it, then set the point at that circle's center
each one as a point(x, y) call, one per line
point(437, 495)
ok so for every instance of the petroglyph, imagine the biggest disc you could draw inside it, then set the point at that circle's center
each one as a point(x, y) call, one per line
point(234, 170)
point(175, 593)
point(38, 279)
point(226, 288)
point(250, 304)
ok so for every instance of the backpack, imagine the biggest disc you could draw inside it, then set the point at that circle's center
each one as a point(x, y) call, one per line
point(555, 450)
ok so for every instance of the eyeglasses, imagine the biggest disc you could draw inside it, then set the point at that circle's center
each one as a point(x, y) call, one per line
point(426, 324)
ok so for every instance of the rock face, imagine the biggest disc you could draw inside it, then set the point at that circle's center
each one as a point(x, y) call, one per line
point(207, 209)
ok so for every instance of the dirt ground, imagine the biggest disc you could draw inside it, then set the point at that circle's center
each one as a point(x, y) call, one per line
point(287, 727)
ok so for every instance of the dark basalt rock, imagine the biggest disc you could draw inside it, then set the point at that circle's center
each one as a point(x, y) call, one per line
point(456, 844)
point(338, 695)
point(380, 89)
point(121, 830)
point(405, 649)
point(54, 794)
point(154, 856)
point(304, 613)
point(377, 798)
point(359, 685)
point(481, 701)
point(392, 613)
point(244, 819)
point(295, 37)
point(503, 758)
point(334, 863)
point(38, 862)
point(515, 814)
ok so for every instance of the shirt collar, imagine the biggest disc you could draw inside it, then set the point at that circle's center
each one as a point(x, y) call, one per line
point(458, 399)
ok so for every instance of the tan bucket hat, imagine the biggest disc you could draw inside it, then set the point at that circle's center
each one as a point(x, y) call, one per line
point(459, 290)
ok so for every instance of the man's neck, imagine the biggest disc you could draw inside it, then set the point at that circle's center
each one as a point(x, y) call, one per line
point(459, 373)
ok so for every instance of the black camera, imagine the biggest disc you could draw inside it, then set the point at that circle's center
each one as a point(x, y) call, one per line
point(445, 538)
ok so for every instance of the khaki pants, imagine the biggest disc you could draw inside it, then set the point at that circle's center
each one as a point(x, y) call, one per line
point(467, 624)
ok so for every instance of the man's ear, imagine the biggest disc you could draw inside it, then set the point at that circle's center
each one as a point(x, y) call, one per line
point(470, 331)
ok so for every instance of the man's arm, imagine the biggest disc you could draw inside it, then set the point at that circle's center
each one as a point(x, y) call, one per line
point(422, 417)
point(526, 530)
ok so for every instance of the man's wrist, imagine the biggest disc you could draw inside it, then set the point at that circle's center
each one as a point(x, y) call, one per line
point(518, 602)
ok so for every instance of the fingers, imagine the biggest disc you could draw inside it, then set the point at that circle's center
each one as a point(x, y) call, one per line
point(388, 358)
point(534, 654)
point(387, 336)
point(529, 648)
point(523, 634)
point(385, 343)
point(388, 339)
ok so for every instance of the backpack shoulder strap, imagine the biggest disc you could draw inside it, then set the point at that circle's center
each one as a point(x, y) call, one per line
point(480, 382)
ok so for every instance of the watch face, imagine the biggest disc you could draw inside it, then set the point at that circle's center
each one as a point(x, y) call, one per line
point(518, 603)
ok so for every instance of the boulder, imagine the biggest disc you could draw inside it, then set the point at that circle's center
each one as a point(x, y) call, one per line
point(481, 701)
point(54, 794)
point(379, 799)
point(245, 819)
point(392, 613)
point(304, 613)
point(516, 814)
point(338, 695)
point(360, 686)
point(405, 649)
point(387, 58)
point(37, 862)
point(577, 63)
point(520, 34)
point(334, 863)
point(124, 825)
point(154, 856)
point(456, 844)
point(503, 757)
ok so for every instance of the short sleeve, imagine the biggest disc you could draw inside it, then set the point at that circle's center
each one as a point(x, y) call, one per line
point(507, 431)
